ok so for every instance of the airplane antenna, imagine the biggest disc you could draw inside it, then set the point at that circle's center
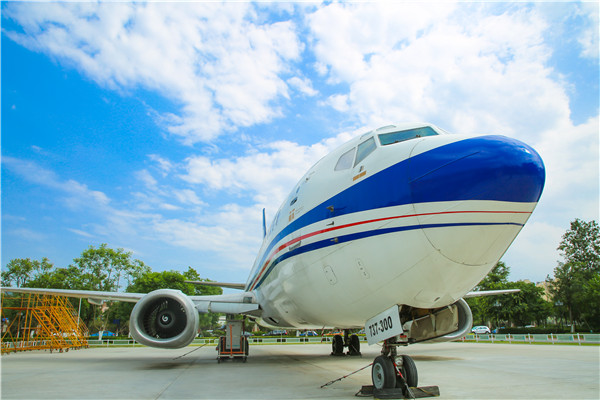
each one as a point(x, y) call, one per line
point(264, 224)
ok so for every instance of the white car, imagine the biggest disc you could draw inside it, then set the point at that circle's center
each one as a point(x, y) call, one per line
point(481, 330)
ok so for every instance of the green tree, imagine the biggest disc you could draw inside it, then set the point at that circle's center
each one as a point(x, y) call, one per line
point(201, 290)
point(581, 245)
point(572, 287)
point(208, 320)
point(525, 306)
point(485, 308)
point(519, 308)
point(20, 271)
point(496, 277)
point(101, 268)
point(104, 268)
point(591, 314)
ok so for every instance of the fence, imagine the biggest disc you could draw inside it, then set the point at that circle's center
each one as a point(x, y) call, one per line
point(208, 341)
point(552, 338)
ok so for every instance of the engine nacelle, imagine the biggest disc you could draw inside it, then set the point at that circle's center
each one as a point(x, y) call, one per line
point(441, 325)
point(465, 323)
point(164, 318)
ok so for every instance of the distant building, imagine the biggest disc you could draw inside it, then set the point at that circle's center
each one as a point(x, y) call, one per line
point(546, 286)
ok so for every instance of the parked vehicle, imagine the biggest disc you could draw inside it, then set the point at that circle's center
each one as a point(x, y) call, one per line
point(309, 333)
point(277, 332)
point(104, 334)
point(481, 330)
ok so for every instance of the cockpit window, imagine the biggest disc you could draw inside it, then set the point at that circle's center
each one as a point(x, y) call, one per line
point(401, 136)
point(364, 149)
point(345, 160)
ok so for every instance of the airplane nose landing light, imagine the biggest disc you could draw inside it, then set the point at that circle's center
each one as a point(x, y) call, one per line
point(473, 196)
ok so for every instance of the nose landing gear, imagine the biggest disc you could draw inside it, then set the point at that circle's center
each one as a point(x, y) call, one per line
point(391, 371)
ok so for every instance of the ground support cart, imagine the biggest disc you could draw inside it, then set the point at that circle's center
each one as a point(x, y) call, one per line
point(234, 345)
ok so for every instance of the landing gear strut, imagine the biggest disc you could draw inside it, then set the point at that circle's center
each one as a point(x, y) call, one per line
point(352, 342)
point(393, 371)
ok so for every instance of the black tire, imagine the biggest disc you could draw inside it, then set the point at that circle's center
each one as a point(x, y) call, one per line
point(337, 345)
point(409, 371)
point(383, 373)
point(354, 346)
point(246, 348)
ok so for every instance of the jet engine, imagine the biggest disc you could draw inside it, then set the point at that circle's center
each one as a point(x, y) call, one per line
point(439, 325)
point(465, 322)
point(164, 318)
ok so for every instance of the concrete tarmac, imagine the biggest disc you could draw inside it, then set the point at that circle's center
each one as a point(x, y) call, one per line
point(461, 370)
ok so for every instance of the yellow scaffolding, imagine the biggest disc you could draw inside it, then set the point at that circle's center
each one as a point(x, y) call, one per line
point(40, 322)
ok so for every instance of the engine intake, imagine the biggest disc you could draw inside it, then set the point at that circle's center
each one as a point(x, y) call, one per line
point(164, 318)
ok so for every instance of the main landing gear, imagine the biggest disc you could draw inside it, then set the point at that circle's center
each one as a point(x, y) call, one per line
point(393, 371)
point(352, 342)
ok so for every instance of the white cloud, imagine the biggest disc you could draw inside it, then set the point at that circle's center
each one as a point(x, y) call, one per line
point(223, 68)
point(268, 175)
point(403, 62)
point(187, 196)
point(533, 254)
point(29, 235)
point(571, 157)
point(338, 102)
point(589, 38)
point(164, 165)
point(76, 195)
point(79, 232)
point(303, 85)
point(145, 177)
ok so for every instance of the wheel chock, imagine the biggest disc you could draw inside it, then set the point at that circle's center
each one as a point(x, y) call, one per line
point(398, 393)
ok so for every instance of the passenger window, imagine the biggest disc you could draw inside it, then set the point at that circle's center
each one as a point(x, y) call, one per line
point(345, 160)
point(364, 149)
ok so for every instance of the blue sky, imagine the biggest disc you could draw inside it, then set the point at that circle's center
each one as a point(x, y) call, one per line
point(164, 129)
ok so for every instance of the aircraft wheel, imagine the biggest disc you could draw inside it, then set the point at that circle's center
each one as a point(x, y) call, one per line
point(354, 346)
point(337, 345)
point(383, 373)
point(409, 372)
point(246, 348)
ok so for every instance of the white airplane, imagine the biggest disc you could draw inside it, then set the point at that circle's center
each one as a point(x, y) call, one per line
point(389, 232)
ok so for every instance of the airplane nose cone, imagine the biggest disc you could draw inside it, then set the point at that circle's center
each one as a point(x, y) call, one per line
point(473, 196)
point(485, 168)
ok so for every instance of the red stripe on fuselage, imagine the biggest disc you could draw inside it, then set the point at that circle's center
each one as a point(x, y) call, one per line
point(308, 235)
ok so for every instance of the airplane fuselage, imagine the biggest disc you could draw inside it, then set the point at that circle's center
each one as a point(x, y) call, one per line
point(405, 215)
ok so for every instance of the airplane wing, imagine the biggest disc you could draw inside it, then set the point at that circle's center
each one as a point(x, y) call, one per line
point(240, 286)
point(238, 303)
point(95, 297)
point(490, 293)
